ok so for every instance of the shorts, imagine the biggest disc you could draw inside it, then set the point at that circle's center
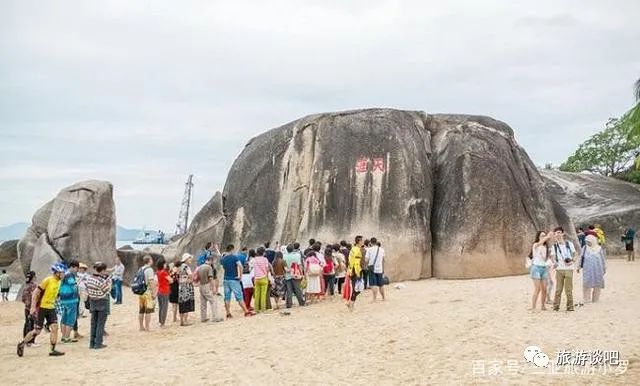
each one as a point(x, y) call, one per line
point(235, 287)
point(48, 314)
point(146, 305)
point(627, 247)
point(4, 290)
point(376, 279)
point(69, 314)
point(539, 272)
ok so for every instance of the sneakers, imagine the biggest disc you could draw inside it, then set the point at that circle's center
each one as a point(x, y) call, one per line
point(69, 340)
point(20, 349)
point(55, 353)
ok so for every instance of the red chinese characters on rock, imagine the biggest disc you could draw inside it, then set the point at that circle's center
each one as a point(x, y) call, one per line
point(378, 165)
point(362, 165)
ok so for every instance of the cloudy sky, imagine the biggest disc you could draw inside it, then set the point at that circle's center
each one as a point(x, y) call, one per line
point(142, 93)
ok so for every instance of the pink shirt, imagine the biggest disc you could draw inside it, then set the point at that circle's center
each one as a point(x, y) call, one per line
point(260, 267)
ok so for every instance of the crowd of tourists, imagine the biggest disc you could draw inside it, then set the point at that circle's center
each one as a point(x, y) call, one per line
point(257, 279)
point(63, 297)
point(554, 259)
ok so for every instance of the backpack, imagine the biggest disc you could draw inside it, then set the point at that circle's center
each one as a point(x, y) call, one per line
point(139, 284)
point(202, 257)
point(364, 263)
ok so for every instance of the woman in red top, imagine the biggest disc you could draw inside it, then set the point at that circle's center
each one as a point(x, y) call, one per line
point(329, 272)
point(164, 280)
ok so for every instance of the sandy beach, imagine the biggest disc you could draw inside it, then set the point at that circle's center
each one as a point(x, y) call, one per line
point(430, 332)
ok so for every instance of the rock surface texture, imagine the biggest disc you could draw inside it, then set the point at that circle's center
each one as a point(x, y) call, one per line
point(8, 252)
point(132, 261)
point(592, 199)
point(78, 224)
point(450, 196)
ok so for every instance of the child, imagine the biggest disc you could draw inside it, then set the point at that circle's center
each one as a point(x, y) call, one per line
point(247, 284)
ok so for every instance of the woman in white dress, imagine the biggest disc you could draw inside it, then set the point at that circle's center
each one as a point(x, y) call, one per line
point(594, 266)
point(313, 270)
point(538, 268)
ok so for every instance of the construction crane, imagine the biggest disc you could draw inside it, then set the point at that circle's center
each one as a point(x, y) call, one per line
point(183, 217)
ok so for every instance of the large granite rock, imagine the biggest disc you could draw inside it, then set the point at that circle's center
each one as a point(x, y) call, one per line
point(593, 199)
point(132, 261)
point(8, 252)
point(405, 177)
point(38, 227)
point(207, 225)
point(332, 176)
point(489, 199)
point(78, 224)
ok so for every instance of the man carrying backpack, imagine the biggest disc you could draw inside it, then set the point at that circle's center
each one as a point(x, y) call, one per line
point(145, 286)
point(563, 256)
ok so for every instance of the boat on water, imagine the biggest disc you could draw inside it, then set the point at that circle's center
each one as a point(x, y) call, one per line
point(151, 237)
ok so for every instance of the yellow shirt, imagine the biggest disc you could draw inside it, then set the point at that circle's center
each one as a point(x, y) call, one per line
point(50, 286)
point(354, 261)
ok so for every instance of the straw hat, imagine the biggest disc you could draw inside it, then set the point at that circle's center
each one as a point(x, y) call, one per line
point(83, 265)
point(186, 257)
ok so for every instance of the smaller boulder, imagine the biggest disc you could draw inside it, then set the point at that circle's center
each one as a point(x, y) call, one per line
point(132, 261)
point(8, 252)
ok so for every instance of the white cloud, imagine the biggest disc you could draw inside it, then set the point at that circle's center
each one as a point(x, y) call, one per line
point(143, 93)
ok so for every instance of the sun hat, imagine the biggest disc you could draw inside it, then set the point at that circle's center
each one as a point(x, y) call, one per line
point(186, 257)
point(83, 265)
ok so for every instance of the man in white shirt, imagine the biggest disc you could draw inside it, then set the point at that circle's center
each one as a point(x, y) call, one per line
point(375, 258)
point(563, 254)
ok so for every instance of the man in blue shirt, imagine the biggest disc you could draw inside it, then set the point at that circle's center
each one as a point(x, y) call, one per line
point(243, 256)
point(232, 275)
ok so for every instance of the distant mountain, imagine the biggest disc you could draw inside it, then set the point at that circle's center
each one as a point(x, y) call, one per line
point(124, 234)
point(13, 231)
point(17, 230)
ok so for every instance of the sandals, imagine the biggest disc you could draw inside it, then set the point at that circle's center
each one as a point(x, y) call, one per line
point(20, 349)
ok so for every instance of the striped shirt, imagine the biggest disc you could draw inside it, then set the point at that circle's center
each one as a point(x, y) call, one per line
point(98, 287)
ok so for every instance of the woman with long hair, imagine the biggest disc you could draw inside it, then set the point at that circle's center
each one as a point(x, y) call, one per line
point(313, 270)
point(186, 291)
point(174, 288)
point(538, 271)
point(278, 288)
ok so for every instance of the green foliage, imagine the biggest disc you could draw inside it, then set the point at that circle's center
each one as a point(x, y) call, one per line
point(609, 152)
point(632, 176)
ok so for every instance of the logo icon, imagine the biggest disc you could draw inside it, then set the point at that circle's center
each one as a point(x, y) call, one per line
point(533, 354)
